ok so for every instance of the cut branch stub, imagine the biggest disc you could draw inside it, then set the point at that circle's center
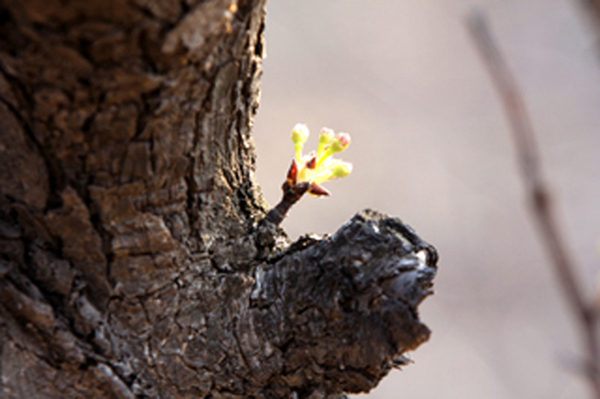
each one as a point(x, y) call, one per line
point(343, 309)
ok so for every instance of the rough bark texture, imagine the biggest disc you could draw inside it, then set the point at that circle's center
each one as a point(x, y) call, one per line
point(133, 259)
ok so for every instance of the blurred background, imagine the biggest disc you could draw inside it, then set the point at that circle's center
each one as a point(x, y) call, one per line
point(431, 145)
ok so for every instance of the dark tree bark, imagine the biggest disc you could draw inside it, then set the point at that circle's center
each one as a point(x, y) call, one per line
point(135, 260)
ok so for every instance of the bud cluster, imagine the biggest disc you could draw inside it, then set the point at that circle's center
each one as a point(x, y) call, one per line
point(316, 168)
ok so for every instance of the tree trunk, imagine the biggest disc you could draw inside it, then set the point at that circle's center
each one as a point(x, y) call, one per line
point(135, 260)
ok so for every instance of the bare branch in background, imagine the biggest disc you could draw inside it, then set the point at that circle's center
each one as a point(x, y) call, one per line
point(592, 10)
point(538, 193)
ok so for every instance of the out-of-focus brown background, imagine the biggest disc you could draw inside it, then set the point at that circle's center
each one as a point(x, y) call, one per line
point(431, 145)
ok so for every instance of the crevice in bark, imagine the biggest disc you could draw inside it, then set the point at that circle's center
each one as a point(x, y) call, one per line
point(55, 178)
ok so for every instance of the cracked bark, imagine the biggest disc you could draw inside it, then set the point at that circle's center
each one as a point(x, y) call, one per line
point(134, 258)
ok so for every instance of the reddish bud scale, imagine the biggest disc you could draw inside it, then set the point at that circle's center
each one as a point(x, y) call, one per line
point(292, 173)
point(318, 190)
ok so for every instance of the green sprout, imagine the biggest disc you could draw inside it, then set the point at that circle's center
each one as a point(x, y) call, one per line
point(307, 172)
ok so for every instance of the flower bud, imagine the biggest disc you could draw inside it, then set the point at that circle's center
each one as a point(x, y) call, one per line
point(342, 169)
point(340, 142)
point(300, 134)
point(326, 136)
point(324, 139)
point(299, 137)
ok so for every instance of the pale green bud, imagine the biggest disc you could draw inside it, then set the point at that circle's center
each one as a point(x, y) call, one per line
point(324, 139)
point(300, 134)
point(340, 142)
point(342, 169)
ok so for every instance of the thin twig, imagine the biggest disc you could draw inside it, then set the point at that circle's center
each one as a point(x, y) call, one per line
point(590, 10)
point(538, 193)
point(592, 7)
point(292, 192)
point(291, 195)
